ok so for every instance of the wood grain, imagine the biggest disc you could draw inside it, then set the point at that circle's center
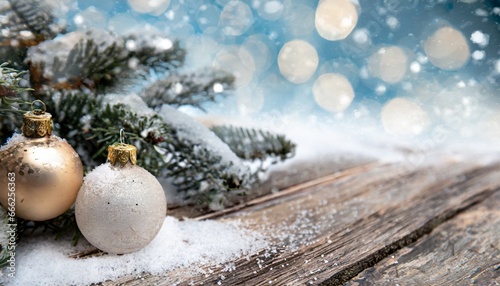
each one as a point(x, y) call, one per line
point(327, 233)
point(281, 177)
point(462, 251)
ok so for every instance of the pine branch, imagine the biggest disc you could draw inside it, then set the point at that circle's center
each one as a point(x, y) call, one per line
point(86, 65)
point(197, 171)
point(198, 174)
point(4, 257)
point(4, 254)
point(72, 113)
point(141, 131)
point(32, 22)
point(158, 53)
point(9, 87)
point(252, 144)
point(193, 89)
point(96, 60)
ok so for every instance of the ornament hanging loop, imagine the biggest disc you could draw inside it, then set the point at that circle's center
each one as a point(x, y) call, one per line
point(38, 111)
point(121, 135)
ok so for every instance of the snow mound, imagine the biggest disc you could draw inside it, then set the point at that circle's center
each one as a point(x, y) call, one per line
point(188, 243)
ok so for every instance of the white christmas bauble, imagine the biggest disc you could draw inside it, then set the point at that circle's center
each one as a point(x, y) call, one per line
point(120, 209)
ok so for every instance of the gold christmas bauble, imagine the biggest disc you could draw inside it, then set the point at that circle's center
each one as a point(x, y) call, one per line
point(120, 207)
point(41, 172)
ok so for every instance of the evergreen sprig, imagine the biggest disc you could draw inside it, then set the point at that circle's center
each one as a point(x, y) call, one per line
point(200, 175)
point(194, 170)
point(97, 65)
point(252, 144)
point(74, 74)
point(35, 17)
point(144, 132)
point(192, 89)
point(9, 86)
point(4, 254)
point(90, 66)
point(160, 54)
point(4, 257)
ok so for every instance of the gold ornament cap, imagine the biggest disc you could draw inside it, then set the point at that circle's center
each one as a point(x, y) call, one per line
point(37, 123)
point(122, 153)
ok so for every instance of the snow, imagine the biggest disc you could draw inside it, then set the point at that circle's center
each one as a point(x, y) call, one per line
point(191, 130)
point(218, 88)
point(189, 243)
point(273, 7)
point(392, 22)
point(478, 55)
point(197, 245)
point(481, 12)
point(61, 46)
point(415, 67)
point(163, 44)
point(132, 100)
point(361, 36)
point(480, 38)
point(13, 141)
point(143, 36)
point(19, 138)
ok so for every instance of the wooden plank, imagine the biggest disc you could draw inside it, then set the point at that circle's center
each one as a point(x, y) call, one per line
point(298, 172)
point(279, 184)
point(301, 187)
point(462, 251)
point(333, 231)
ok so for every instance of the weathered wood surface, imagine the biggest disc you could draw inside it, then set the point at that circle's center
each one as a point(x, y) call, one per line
point(295, 174)
point(330, 231)
point(461, 251)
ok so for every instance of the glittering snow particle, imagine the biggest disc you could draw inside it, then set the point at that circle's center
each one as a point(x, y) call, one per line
point(480, 38)
point(478, 55)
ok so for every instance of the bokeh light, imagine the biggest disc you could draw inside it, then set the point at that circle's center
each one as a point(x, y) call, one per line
point(238, 61)
point(403, 117)
point(90, 18)
point(269, 9)
point(155, 7)
point(122, 23)
point(297, 61)
point(207, 17)
point(287, 55)
point(203, 50)
point(447, 48)
point(298, 19)
point(333, 92)
point(343, 66)
point(262, 49)
point(235, 18)
point(335, 19)
point(389, 64)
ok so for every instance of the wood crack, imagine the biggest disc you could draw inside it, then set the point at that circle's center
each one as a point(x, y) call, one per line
point(345, 275)
point(364, 226)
